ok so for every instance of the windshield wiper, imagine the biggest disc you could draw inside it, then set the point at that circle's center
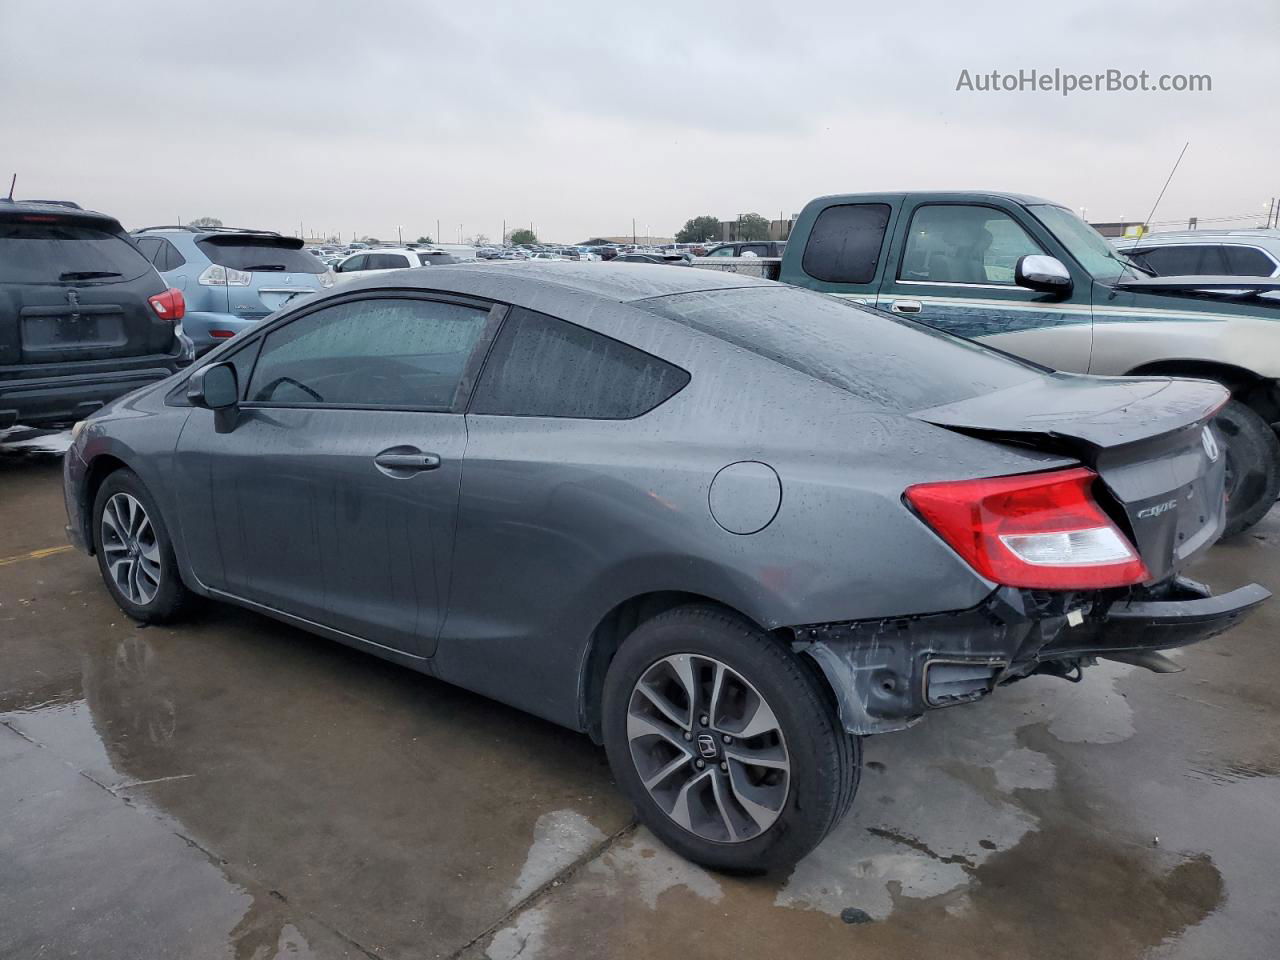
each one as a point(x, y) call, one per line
point(88, 274)
point(264, 266)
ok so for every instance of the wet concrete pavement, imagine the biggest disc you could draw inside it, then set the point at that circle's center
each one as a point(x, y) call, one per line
point(231, 787)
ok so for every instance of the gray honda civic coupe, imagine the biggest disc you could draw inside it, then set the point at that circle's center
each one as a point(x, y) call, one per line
point(724, 527)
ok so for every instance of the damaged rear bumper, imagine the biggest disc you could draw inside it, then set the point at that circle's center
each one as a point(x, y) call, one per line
point(888, 673)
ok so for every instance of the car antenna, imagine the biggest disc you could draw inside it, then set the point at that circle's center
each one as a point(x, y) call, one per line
point(1147, 223)
point(12, 182)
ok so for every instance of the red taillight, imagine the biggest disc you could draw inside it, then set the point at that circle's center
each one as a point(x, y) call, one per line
point(170, 305)
point(1040, 530)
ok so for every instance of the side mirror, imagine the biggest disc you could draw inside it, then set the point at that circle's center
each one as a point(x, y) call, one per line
point(1041, 273)
point(214, 387)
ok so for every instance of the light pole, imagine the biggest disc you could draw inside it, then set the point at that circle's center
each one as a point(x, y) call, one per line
point(400, 234)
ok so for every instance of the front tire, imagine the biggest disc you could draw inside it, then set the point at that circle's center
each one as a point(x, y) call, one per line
point(135, 554)
point(725, 741)
point(1253, 466)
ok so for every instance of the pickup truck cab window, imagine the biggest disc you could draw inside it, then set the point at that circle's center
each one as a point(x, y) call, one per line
point(957, 243)
point(845, 242)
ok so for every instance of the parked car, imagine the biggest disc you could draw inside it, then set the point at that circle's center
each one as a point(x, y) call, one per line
point(84, 318)
point(1220, 253)
point(231, 278)
point(544, 482)
point(1029, 276)
point(389, 258)
point(757, 248)
point(678, 259)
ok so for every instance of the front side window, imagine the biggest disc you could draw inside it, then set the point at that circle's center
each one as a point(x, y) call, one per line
point(845, 242)
point(353, 264)
point(544, 367)
point(721, 252)
point(387, 352)
point(956, 243)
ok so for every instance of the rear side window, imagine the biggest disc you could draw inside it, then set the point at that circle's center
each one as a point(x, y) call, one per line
point(263, 254)
point(168, 257)
point(58, 252)
point(385, 352)
point(844, 244)
point(544, 367)
point(1248, 262)
point(1190, 260)
point(387, 261)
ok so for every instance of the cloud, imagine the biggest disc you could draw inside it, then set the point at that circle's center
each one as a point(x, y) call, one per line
point(579, 116)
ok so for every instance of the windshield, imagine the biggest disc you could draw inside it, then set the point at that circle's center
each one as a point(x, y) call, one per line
point(1090, 248)
point(890, 362)
point(264, 254)
point(66, 252)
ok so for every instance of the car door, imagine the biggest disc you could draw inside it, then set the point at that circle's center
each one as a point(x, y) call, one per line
point(334, 496)
point(956, 272)
point(555, 403)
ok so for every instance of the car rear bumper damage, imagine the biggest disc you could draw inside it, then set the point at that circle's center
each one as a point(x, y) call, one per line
point(888, 673)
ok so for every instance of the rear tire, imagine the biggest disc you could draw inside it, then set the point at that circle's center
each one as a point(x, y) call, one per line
point(135, 554)
point(1253, 466)
point(761, 800)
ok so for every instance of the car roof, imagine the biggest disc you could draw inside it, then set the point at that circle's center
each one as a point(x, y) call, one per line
point(1265, 237)
point(934, 195)
point(59, 208)
point(598, 279)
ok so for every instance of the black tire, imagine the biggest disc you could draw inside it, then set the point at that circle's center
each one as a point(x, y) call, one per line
point(171, 597)
point(825, 761)
point(1253, 466)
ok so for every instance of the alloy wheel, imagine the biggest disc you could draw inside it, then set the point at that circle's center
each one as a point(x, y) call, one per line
point(708, 748)
point(130, 549)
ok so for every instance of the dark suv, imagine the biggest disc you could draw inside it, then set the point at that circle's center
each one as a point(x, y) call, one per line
point(84, 317)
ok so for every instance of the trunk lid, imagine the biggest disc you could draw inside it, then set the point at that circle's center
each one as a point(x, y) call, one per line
point(1147, 438)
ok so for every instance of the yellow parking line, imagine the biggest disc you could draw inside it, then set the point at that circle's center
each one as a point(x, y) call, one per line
point(36, 554)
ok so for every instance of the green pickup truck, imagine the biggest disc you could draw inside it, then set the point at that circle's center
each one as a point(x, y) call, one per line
point(1030, 277)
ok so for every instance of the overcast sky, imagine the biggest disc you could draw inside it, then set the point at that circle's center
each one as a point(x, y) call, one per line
point(361, 117)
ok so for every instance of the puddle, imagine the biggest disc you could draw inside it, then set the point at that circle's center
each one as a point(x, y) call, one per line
point(559, 838)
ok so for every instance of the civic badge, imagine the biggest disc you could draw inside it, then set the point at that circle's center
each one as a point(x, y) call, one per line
point(1210, 445)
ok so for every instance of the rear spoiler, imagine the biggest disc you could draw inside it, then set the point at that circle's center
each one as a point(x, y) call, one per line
point(247, 239)
point(1193, 284)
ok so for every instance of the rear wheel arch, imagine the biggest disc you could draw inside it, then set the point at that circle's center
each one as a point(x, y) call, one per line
point(619, 623)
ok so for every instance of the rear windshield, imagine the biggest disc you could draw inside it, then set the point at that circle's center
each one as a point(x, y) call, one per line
point(893, 363)
point(66, 253)
point(427, 259)
point(263, 254)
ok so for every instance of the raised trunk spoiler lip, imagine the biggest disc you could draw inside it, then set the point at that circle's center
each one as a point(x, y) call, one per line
point(1103, 412)
point(1184, 284)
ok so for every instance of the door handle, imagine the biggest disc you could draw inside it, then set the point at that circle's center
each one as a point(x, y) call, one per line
point(407, 462)
point(906, 306)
